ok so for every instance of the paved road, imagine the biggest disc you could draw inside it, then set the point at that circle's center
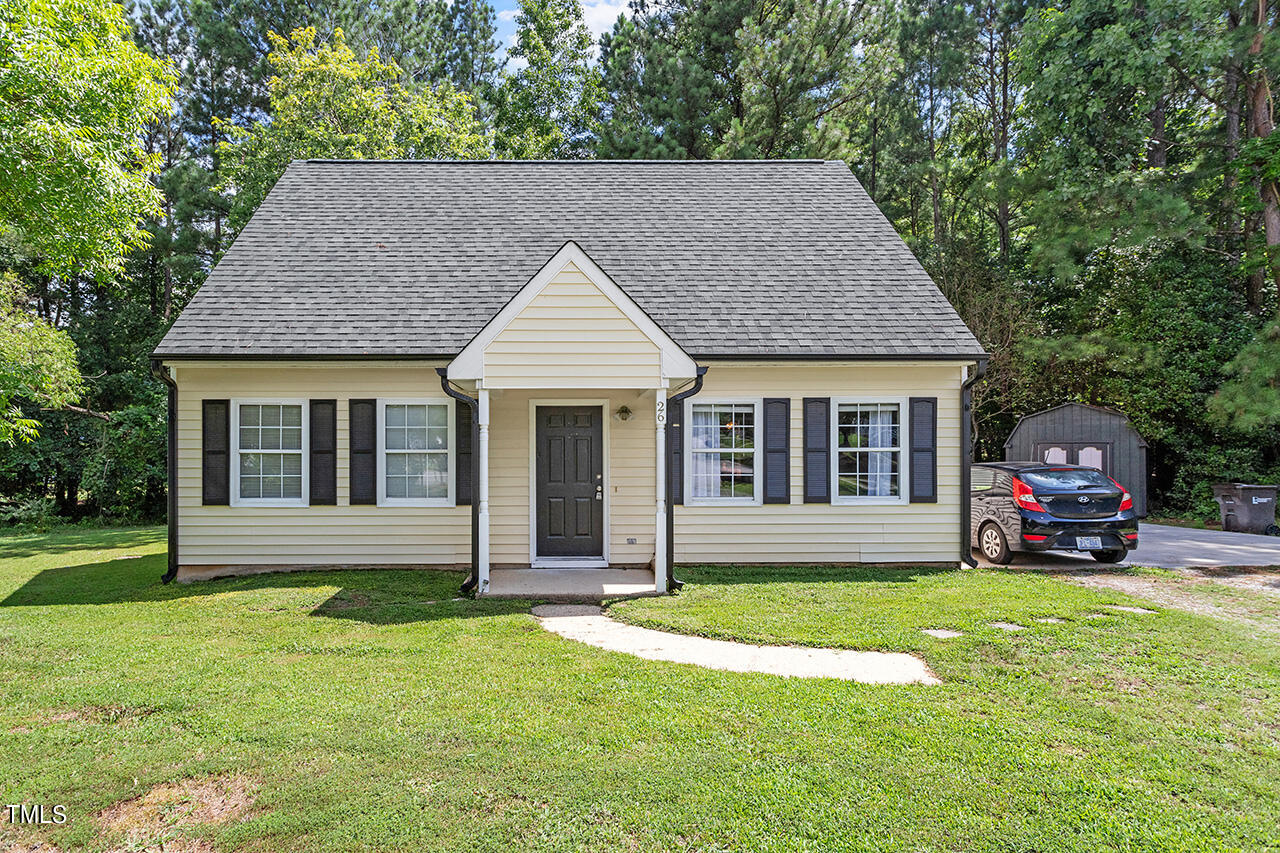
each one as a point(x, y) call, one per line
point(1175, 548)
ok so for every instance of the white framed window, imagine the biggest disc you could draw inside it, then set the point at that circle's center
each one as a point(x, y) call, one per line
point(416, 449)
point(867, 462)
point(722, 455)
point(269, 446)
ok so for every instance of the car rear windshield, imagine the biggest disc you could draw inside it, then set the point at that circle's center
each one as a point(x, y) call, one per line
point(1065, 478)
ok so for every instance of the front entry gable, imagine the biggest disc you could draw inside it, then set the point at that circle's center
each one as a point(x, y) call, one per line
point(571, 326)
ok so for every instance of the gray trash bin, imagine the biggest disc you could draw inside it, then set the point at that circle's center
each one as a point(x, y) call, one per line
point(1247, 508)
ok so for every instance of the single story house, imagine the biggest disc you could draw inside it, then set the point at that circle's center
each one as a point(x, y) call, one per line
point(566, 364)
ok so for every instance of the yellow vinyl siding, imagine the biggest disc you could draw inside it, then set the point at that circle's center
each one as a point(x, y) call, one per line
point(629, 466)
point(308, 535)
point(826, 533)
point(372, 535)
point(572, 336)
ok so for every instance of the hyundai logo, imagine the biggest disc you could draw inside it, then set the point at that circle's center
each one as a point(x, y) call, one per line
point(1084, 499)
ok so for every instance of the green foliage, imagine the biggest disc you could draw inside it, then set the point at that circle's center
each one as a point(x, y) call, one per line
point(37, 364)
point(547, 109)
point(671, 87)
point(326, 102)
point(1250, 399)
point(1147, 331)
point(432, 41)
point(799, 61)
point(75, 96)
point(34, 513)
point(127, 472)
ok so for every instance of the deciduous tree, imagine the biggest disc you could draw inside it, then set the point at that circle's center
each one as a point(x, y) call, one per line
point(327, 102)
point(75, 96)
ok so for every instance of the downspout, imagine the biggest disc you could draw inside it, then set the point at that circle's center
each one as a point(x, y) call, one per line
point(159, 371)
point(672, 403)
point(966, 462)
point(474, 577)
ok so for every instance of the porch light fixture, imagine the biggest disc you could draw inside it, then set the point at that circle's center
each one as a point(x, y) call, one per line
point(623, 413)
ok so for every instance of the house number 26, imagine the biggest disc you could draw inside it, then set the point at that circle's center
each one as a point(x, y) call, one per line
point(662, 412)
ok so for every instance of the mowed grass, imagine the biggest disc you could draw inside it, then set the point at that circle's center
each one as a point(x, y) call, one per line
point(374, 713)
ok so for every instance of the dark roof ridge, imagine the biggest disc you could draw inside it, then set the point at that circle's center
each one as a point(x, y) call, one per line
point(497, 162)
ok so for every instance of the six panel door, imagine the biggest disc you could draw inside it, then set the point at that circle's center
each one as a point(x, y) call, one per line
point(570, 481)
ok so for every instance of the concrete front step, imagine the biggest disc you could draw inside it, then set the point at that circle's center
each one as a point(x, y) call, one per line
point(590, 585)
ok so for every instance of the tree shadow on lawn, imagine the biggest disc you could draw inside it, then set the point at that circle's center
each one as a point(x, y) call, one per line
point(374, 596)
point(65, 540)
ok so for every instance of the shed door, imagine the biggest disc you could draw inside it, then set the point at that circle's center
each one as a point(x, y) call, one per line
point(570, 481)
point(1095, 454)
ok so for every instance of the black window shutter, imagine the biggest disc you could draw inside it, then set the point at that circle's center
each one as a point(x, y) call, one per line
point(675, 447)
point(924, 449)
point(462, 437)
point(215, 444)
point(777, 450)
point(364, 452)
point(817, 450)
point(324, 452)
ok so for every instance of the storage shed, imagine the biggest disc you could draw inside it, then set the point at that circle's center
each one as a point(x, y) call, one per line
point(1076, 434)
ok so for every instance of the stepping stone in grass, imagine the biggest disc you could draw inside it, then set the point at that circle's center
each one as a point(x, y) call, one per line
point(1051, 620)
point(1096, 615)
point(1008, 626)
point(1125, 608)
point(941, 633)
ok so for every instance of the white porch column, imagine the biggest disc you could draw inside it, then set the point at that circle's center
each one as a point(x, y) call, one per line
point(483, 489)
point(660, 517)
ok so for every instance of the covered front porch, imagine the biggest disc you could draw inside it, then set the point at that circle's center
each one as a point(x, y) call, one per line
point(569, 387)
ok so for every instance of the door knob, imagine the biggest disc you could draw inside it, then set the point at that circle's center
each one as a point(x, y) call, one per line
point(599, 493)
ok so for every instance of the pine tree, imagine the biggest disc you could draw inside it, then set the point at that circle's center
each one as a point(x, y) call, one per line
point(672, 82)
point(471, 56)
point(798, 65)
point(547, 108)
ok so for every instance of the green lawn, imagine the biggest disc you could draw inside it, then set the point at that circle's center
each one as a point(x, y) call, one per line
point(373, 713)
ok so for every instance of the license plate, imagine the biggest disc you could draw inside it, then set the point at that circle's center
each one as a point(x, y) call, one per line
point(1088, 543)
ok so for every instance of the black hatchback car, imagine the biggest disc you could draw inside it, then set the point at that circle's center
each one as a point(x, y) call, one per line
point(1034, 506)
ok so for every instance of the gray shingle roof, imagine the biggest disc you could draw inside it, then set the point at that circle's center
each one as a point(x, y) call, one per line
point(368, 258)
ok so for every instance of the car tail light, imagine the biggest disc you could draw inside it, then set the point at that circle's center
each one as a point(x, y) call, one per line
point(1023, 497)
point(1131, 536)
point(1126, 502)
point(1031, 537)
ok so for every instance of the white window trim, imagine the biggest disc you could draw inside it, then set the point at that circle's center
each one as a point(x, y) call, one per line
point(236, 500)
point(757, 490)
point(904, 455)
point(381, 427)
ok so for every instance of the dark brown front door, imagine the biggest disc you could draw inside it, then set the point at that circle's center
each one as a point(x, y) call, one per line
point(570, 481)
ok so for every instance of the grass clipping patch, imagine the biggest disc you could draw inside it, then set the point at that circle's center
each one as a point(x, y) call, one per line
point(156, 820)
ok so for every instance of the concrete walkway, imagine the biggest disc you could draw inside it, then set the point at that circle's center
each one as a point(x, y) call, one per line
point(1167, 547)
point(588, 624)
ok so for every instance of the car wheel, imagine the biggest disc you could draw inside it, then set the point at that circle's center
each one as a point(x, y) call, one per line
point(993, 545)
point(1114, 555)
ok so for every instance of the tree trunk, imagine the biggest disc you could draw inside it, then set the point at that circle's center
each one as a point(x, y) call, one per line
point(1261, 126)
point(875, 130)
point(1002, 205)
point(1232, 228)
point(1158, 147)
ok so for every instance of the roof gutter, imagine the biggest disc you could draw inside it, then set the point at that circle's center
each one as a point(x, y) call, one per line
point(159, 371)
point(966, 462)
point(672, 404)
point(474, 577)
